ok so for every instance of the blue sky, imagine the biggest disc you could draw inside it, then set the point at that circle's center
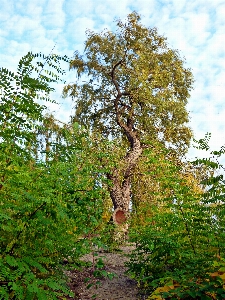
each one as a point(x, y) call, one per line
point(195, 27)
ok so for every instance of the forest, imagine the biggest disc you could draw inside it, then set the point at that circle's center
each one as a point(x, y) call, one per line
point(116, 173)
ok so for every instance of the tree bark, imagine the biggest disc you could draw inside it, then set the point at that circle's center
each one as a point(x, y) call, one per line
point(120, 191)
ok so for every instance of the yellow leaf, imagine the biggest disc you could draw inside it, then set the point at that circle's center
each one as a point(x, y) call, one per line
point(165, 288)
point(215, 274)
point(155, 297)
point(222, 276)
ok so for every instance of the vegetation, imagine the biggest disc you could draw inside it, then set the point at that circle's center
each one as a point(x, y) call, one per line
point(180, 248)
point(48, 206)
point(56, 179)
point(136, 92)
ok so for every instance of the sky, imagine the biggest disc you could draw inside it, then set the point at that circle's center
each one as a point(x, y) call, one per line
point(194, 27)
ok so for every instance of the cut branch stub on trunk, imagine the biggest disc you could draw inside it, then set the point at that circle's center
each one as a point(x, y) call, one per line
point(119, 216)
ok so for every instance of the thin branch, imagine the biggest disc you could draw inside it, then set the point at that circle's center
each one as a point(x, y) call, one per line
point(46, 60)
point(119, 94)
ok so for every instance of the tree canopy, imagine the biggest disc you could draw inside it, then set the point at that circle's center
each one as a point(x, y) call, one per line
point(134, 83)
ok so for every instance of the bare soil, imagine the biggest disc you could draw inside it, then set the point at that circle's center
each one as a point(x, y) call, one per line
point(120, 287)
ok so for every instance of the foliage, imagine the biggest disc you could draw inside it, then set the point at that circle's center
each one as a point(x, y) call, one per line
point(150, 78)
point(131, 88)
point(47, 207)
point(147, 181)
point(180, 252)
point(21, 95)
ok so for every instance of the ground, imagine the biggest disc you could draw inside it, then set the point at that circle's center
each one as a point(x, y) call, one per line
point(120, 287)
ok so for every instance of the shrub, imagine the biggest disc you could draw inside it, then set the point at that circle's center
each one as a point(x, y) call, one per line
point(180, 251)
point(47, 202)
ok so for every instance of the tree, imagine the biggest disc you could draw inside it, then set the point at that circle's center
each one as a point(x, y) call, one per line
point(136, 91)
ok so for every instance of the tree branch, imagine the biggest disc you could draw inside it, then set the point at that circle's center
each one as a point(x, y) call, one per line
point(118, 97)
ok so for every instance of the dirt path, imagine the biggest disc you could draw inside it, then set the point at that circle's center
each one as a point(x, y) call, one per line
point(120, 287)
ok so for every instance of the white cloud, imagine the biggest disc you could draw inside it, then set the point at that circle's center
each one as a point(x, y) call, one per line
point(77, 8)
point(32, 9)
point(75, 31)
point(111, 9)
point(18, 25)
point(5, 12)
point(53, 14)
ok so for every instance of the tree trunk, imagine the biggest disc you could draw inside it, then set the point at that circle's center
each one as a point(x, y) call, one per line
point(120, 191)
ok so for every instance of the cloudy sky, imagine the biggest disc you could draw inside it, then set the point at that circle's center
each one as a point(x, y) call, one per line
point(195, 27)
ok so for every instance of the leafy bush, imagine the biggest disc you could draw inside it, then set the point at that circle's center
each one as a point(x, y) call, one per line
point(47, 206)
point(180, 251)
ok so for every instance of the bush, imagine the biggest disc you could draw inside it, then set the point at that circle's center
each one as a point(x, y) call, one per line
point(180, 251)
point(49, 198)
